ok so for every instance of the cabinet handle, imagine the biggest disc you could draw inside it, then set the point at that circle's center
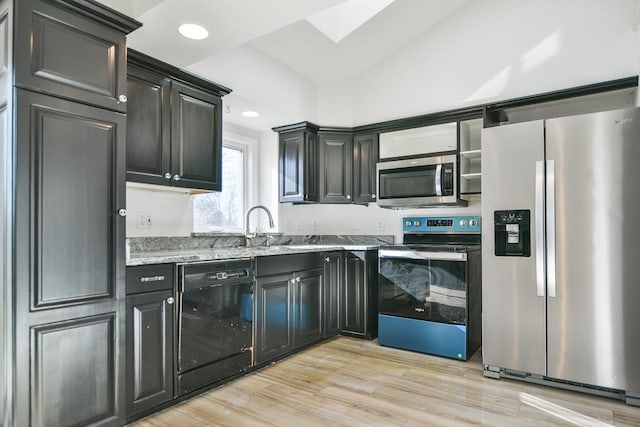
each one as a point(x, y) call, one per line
point(373, 196)
point(349, 196)
point(297, 280)
point(170, 300)
point(152, 279)
point(122, 212)
point(176, 177)
point(122, 98)
point(167, 175)
point(327, 259)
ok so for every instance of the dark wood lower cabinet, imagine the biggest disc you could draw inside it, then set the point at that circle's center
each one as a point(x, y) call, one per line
point(333, 282)
point(307, 308)
point(359, 305)
point(149, 379)
point(273, 317)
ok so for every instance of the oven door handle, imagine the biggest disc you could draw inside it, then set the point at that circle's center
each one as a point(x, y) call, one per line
point(420, 255)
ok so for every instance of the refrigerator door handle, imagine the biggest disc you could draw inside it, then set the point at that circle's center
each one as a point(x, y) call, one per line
point(539, 224)
point(551, 228)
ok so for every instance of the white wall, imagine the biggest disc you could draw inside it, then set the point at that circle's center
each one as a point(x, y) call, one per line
point(171, 211)
point(501, 49)
point(335, 104)
point(488, 50)
point(356, 219)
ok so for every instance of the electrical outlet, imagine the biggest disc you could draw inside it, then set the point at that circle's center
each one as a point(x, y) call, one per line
point(380, 225)
point(145, 220)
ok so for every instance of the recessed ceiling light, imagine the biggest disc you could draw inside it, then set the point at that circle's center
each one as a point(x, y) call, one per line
point(193, 31)
point(250, 113)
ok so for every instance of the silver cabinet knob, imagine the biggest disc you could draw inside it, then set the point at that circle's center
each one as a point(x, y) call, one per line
point(122, 212)
point(170, 300)
point(176, 177)
point(349, 196)
point(297, 280)
point(167, 175)
point(122, 98)
point(373, 196)
point(327, 259)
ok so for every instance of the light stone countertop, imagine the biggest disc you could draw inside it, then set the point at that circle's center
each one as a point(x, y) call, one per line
point(219, 253)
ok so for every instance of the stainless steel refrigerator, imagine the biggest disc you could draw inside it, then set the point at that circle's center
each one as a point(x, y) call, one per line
point(561, 252)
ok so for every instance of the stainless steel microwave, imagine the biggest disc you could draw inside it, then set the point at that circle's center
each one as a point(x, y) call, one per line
point(419, 182)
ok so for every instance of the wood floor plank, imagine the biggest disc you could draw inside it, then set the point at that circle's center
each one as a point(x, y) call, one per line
point(350, 382)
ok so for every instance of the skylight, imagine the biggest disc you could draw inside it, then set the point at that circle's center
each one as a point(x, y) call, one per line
point(339, 21)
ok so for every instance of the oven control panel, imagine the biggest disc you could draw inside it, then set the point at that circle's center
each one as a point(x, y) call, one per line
point(442, 224)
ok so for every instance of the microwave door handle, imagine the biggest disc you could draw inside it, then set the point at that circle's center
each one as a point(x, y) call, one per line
point(439, 180)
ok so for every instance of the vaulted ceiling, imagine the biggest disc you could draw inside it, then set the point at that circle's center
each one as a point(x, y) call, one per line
point(279, 33)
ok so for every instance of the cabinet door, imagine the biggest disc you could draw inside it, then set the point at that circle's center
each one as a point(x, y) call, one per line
point(291, 151)
point(69, 269)
point(67, 54)
point(148, 128)
point(149, 350)
point(307, 307)
point(273, 317)
point(335, 157)
point(365, 157)
point(333, 284)
point(196, 138)
point(353, 301)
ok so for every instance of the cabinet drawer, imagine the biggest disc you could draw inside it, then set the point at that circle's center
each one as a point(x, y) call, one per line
point(149, 278)
point(287, 264)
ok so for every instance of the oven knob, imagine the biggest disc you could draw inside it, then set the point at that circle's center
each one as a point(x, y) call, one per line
point(463, 223)
point(408, 223)
point(416, 223)
point(473, 222)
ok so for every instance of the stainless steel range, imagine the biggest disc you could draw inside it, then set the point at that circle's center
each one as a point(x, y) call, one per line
point(430, 287)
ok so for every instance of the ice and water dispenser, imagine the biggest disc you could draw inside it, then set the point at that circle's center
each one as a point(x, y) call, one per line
point(512, 230)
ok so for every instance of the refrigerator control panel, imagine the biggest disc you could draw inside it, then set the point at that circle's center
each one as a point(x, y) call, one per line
point(512, 232)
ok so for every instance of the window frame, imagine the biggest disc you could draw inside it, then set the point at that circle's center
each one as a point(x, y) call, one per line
point(247, 145)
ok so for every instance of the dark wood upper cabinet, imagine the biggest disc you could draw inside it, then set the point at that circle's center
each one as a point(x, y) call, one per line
point(174, 126)
point(326, 165)
point(365, 157)
point(196, 138)
point(335, 160)
point(148, 127)
point(71, 55)
point(298, 151)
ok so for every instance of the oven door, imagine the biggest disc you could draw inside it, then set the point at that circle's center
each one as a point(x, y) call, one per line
point(423, 285)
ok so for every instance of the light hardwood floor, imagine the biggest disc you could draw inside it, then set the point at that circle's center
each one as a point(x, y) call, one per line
point(349, 382)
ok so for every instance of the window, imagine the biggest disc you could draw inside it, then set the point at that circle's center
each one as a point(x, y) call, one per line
point(224, 211)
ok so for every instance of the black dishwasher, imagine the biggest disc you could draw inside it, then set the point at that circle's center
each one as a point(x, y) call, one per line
point(214, 322)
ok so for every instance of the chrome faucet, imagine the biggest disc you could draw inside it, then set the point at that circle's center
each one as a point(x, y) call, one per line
point(247, 232)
